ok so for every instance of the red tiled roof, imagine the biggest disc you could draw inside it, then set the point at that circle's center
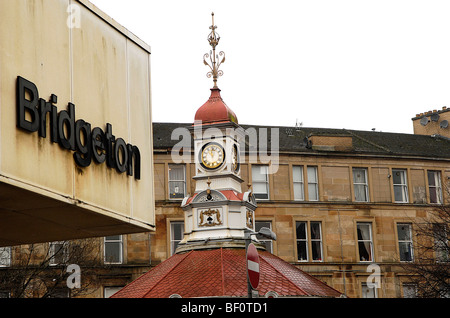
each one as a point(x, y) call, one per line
point(222, 272)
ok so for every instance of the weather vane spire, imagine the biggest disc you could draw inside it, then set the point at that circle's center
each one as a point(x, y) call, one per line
point(215, 62)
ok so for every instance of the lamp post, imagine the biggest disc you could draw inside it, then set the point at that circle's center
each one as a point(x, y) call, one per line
point(267, 233)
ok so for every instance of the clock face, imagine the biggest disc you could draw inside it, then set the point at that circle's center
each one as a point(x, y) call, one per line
point(212, 156)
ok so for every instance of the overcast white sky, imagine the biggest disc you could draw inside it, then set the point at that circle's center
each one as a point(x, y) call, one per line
point(353, 64)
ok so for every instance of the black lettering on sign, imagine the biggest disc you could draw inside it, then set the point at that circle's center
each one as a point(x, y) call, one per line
point(76, 135)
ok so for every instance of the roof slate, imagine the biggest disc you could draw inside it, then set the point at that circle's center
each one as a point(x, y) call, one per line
point(295, 140)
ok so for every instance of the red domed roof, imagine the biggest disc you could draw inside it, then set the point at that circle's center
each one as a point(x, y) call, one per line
point(215, 110)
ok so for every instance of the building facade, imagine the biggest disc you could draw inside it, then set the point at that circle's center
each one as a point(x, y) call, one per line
point(344, 204)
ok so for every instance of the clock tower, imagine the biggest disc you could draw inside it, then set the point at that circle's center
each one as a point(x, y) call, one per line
point(218, 213)
point(212, 259)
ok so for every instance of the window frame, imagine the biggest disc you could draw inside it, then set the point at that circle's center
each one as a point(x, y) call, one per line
point(5, 250)
point(111, 290)
point(121, 251)
point(409, 242)
point(169, 180)
point(440, 243)
point(409, 290)
point(262, 239)
point(363, 241)
point(365, 185)
point(320, 240)
point(55, 256)
point(297, 240)
point(172, 240)
point(366, 287)
point(403, 186)
point(314, 184)
point(308, 241)
point(438, 186)
point(301, 182)
point(266, 182)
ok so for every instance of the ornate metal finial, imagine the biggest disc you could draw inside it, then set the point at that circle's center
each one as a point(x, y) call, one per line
point(214, 64)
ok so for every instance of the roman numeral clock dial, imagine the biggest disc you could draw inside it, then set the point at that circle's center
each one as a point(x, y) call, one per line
point(212, 156)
